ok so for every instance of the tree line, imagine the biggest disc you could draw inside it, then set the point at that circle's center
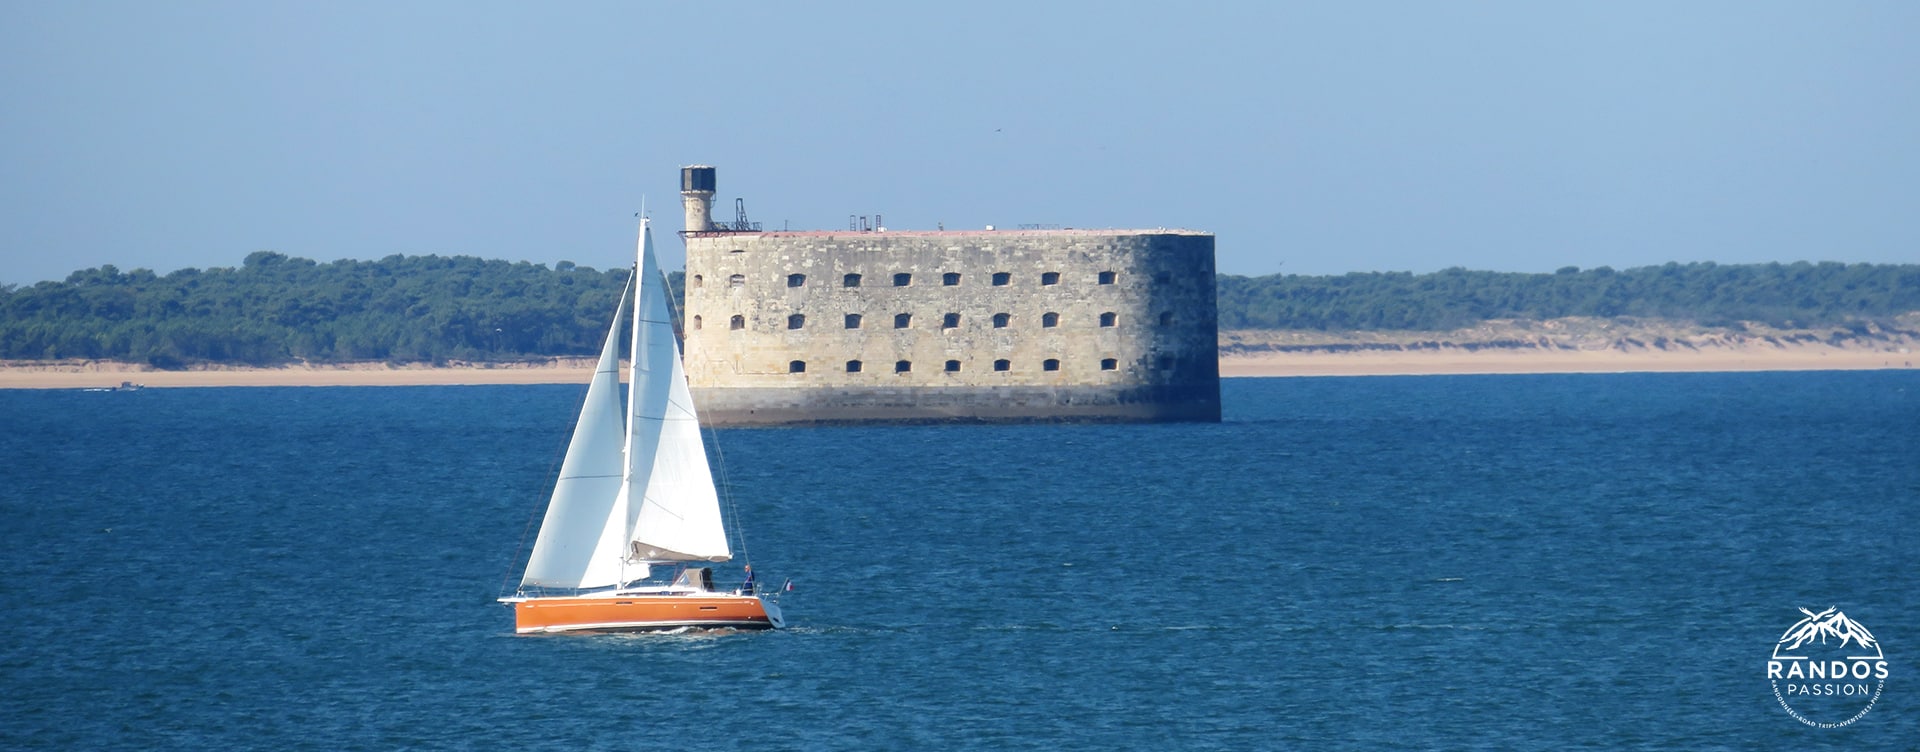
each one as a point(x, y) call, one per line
point(275, 309)
point(1793, 295)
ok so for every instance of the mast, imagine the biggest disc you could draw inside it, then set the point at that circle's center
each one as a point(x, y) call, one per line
point(623, 516)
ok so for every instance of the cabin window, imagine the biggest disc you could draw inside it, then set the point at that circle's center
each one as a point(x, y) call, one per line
point(1049, 320)
point(1002, 279)
point(853, 366)
point(1108, 364)
point(950, 279)
point(851, 280)
point(796, 280)
point(1050, 364)
point(1108, 318)
point(737, 280)
point(696, 323)
point(853, 321)
point(737, 322)
point(953, 366)
point(796, 321)
point(1166, 318)
point(902, 366)
point(797, 366)
point(902, 280)
point(950, 321)
point(1002, 365)
point(1000, 320)
point(902, 320)
point(1106, 278)
point(1050, 278)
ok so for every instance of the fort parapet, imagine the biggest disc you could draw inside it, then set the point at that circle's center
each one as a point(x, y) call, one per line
point(993, 325)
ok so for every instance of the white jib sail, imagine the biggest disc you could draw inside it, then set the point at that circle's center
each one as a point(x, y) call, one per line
point(575, 549)
point(678, 516)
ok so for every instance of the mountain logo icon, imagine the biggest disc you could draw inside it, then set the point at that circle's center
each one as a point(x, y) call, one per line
point(1831, 623)
point(1827, 669)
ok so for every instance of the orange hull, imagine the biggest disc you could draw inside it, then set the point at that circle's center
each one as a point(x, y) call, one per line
point(628, 613)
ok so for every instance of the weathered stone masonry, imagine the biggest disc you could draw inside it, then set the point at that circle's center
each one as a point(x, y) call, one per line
point(797, 327)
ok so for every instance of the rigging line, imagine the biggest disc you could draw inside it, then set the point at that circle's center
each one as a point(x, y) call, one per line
point(726, 495)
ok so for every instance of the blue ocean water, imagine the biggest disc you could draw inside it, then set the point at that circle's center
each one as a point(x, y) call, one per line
point(1517, 562)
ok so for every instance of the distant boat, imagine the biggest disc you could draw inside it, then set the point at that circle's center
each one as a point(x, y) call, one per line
point(636, 496)
point(125, 386)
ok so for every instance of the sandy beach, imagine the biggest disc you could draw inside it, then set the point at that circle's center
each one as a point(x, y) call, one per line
point(106, 374)
point(1558, 361)
point(1446, 360)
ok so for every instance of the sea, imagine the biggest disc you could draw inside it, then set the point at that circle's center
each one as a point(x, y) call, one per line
point(1529, 562)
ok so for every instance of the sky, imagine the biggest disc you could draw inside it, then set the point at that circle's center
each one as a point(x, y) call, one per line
point(1310, 138)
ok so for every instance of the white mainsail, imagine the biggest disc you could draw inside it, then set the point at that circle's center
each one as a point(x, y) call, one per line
point(594, 534)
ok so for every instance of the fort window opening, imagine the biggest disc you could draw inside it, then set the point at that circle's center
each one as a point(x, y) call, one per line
point(851, 280)
point(796, 321)
point(1002, 365)
point(1049, 320)
point(953, 366)
point(950, 279)
point(1108, 318)
point(902, 279)
point(1050, 364)
point(1000, 320)
point(1106, 278)
point(737, 322)
point(698, 280)
point(798, 366)
point(1166, 318)
point(853, 366)
point(796, 280)
point(902, 366)
point(696, 323)
point(737, 280)
point(1002, 279)
point(950, 321)
point(1050, 278)
point(853, 321)
point(1108, 364)
point(902, 320)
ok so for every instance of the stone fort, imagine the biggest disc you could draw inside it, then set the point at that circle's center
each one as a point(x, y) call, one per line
point(876, 324)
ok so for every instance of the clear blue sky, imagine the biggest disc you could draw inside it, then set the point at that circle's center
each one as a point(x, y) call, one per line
point(1311, 138)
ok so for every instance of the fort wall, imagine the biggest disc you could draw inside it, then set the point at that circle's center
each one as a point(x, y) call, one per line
point(993, 325)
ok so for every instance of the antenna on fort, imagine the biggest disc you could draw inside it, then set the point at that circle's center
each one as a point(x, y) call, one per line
point(740, 223)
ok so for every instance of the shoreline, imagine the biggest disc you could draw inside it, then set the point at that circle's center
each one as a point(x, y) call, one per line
point(1810, 357)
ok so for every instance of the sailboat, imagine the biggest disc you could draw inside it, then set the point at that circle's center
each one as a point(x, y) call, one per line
point(635, 497)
